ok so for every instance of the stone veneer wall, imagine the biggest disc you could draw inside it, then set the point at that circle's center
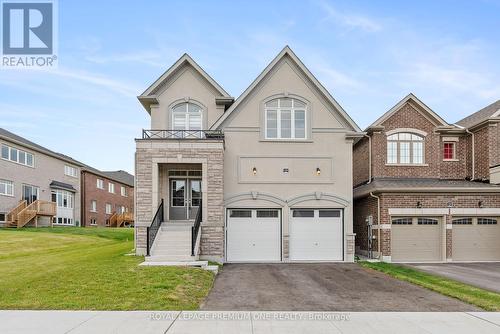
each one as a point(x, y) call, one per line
point(365, 206)
point(182, 151)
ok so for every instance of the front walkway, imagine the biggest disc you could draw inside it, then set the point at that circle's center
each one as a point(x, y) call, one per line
point(321, 287)
point(95, 322)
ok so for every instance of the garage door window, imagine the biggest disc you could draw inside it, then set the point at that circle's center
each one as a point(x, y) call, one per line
point(486, 221)
point(427, 221)
point(402, 221)
point(267, 213)
point(329, 213)
point(240, 213)
point(303, 213)
point(462, 221)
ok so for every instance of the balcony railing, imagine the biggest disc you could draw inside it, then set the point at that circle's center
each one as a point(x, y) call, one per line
point(182, 134)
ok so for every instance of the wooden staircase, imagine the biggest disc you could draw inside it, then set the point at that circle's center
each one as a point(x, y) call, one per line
point(22, 214)
point(119, 219)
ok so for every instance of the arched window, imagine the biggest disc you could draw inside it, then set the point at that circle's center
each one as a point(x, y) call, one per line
point(405, 148)
point(285, 118)
point(186, 116)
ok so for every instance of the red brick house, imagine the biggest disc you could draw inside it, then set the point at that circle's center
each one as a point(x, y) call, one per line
point(107, 198)
point(421, 186)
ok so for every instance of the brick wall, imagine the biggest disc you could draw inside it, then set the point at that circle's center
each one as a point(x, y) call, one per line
point(102, 196)
point(360, 161)
point(482, 153)
point(212, 228)
point(396, 200)
point(362, 209)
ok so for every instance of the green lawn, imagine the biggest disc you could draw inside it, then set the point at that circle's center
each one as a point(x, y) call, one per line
point(87, 268)
point(484, 299)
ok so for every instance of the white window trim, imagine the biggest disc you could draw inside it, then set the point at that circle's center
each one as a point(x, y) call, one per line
point(123, 191)
point(97, 183)
point(92, 209)
point(186, 115)
point(69, 169)
point(278, 110)
point(18, 150)
point(398, 149)
point(108, 205)
point(111, 185)
point(13, 189)
point(454, 150)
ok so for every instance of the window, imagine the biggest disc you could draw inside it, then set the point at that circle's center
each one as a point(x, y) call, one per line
point(71, 171)
point(405, 148)
point(187, 116)
point(427, 221)
point(402, 221)
point(64, 199)
point(285, 118)
point(93, 206)
point(178, 193)
point(486, 221)
point(449, 150)
point(93, 221)
point(17, 156)
point(462, 221)
point(100, 184)
point(111, 188)
point(267, 213)
point(2, 216)
point(240, 213)
point(108, 208)
point(329, 213)
point(30, 193)
point(123, 191)
point(6, 188)
point(63, 221)
point(303, 213)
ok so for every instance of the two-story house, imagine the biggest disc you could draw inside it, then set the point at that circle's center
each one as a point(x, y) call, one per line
point(37, 186)
point(264, 178)
point(107, 198)
point(416, 187)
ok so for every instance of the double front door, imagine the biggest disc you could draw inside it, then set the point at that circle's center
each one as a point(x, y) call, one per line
point(185, 198)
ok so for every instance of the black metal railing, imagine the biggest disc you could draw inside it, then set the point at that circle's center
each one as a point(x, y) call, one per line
point(152, 230)
point(196, 227)
point(182, 134)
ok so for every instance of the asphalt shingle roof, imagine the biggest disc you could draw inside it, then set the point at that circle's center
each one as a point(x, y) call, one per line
point(480, 116)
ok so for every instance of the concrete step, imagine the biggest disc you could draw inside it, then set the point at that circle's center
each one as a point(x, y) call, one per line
point(161, 261)
point(168, 258)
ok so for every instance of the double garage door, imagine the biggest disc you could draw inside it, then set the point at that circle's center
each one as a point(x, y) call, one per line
point(254, 235)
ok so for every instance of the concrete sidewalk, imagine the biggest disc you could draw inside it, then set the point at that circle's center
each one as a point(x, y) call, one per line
point(53, 322)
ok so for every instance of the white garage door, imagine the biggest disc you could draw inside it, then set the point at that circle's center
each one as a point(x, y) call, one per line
point(316, 235)
point(253, 235)
point(475, 239)
point(417, 239)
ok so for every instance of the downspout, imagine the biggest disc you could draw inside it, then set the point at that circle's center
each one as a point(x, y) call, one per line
point(378, 223)
point(473, 155)
point(369, 158)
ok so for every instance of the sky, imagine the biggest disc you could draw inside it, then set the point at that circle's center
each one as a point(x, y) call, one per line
point(368, 54)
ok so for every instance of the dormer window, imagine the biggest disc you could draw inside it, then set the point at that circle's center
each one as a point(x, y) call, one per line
point(405, 148)
point(285, 118)
point(187, 116)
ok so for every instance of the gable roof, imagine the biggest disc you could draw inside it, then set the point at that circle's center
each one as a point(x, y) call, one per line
point(12, 137)
point(286, 52)
point(491, 111)
point(410, 97)
point(149, 96)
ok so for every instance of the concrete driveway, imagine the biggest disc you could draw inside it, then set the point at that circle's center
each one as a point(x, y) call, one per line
point(320, 287)
point(484, 275)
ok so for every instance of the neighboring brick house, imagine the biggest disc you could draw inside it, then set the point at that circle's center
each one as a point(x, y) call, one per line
point(107, 198)
point(484, 125)
point(416, 190)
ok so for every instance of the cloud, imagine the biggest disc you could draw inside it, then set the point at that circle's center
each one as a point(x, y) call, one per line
point(349, 20)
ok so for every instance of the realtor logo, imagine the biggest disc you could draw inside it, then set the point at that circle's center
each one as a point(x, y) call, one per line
point(28, 34)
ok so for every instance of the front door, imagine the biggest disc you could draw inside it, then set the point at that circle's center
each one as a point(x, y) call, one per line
point(185, 198)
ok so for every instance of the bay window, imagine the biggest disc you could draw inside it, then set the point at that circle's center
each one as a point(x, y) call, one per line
point(285, 118)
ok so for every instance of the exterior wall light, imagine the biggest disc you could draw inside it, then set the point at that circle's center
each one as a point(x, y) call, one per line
point(254, 171)
point(318, 171)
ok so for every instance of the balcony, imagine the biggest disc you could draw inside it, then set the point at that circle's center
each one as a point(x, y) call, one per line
point(182, 134)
